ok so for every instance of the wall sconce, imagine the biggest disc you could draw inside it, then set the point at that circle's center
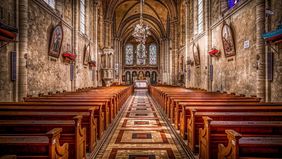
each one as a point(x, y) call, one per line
point(190, 62)
point(256, 65)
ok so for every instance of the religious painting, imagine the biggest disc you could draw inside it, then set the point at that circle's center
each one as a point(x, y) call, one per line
point(86, 57)
point(56, 41)
point(196, 54)
point(228, 41)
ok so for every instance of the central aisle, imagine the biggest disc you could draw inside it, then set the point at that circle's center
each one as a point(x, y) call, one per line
point(141, 133)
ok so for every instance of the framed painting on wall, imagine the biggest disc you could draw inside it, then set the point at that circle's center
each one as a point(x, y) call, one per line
point(56, 41)
point(196, 54)
point(86, 57)
point(228, 40)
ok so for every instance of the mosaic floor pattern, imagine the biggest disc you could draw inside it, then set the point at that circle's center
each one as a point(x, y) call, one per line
point(141, 133)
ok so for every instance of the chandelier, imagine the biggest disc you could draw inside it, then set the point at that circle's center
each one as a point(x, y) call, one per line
point(141, 31)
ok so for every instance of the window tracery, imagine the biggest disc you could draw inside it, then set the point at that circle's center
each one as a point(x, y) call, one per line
point(129, 54)
point(153, 54)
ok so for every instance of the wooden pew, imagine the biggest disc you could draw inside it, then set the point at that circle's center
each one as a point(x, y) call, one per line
point(59, 107)
point(35, 147)
point(88, 121)
point(194, 123)
point(175, 110)
point(213, 133)
point(250, 147)
point(72, 133)
point(105, 104)
point(181, 117)
point(191, 128)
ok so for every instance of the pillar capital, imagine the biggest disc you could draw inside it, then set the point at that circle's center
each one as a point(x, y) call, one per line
point(108, 51)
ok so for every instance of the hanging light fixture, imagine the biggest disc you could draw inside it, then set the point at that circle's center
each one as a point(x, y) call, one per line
point(141, 31)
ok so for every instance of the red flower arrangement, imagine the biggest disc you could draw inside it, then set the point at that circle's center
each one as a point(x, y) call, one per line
point(68, 56)
point(214, 52)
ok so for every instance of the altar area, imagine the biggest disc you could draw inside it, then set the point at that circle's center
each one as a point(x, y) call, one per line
point(140, 84)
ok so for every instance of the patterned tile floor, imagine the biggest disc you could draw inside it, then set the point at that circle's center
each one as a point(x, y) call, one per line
point(141, 133)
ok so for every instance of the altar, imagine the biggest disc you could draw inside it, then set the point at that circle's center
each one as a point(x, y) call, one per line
point(140, 84)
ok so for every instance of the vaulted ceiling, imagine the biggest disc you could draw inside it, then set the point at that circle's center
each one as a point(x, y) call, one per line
point(126, 14)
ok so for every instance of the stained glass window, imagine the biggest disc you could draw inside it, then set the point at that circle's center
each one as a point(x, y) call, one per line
point(141, 54)
point(200, 16)
point(129, 54)
point(232, 3)
point(153, 54)
point(51, 3)
point(82, 16)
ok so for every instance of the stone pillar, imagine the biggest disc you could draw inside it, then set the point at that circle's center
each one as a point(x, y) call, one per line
point(260, 48)
point(167, 60)
point(23, 48)
point(174, 53)
point(95, 43)
point(268, 51)
point(75, 34)
point(161, 60)
point(186, 42)
point(209, 42)
point(120, 60)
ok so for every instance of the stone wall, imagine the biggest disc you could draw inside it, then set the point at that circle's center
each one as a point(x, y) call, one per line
point(7, 87)
point(276, 84)
point(46, 74)
point(238, 73)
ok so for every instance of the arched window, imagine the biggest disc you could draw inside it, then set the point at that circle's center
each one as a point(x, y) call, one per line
point(232, 3)
point(51, 3)
point(200, 16)
point(141, 54)
point(153, 54)
point(129, 54)
point(82, 16)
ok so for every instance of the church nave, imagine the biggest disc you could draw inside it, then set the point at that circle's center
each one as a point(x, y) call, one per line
point(143, 132)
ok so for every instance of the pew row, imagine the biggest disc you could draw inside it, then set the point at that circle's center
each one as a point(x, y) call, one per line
point(35, 147)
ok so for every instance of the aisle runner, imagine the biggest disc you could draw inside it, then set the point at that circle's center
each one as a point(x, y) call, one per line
point(141, 133)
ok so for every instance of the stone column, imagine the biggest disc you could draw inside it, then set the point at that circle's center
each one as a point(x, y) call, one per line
point(161, 59)
point(186, 41)
point(174, 53)
point(209, 42)
point(167, 60)
point(260, 48)
point(75, 34)
point(95, 14)
point(267, 52)
point(120, 60)
point(23, 48)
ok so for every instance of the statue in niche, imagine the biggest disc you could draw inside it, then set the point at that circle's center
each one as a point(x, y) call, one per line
point(141, 75)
